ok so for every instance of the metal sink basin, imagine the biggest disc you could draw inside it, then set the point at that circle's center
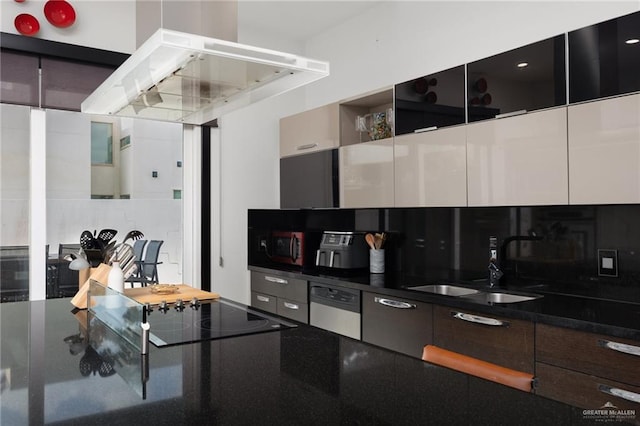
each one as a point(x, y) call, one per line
point(447, 290)
point(500, 297)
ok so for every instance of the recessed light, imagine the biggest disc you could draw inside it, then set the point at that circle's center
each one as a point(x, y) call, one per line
point(522, 64)
point(632, 41)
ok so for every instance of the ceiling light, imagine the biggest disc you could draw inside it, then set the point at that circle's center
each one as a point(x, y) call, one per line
point(522, 64)
point(632, 41)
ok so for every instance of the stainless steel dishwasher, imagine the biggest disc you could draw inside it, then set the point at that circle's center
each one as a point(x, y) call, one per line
point(335, 309)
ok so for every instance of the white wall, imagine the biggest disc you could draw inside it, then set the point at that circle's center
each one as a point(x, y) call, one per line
point(389, 44)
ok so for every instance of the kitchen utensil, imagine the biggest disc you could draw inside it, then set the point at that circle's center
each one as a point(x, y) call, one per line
point(379, 240)
point(87, 241)
point(59, 13)
point(26, 24)
point(106, 235)
point(136, 235)
point(369, 238)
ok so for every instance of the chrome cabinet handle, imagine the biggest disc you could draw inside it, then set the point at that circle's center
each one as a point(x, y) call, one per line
point(275, 280)
point(262, 298)
point(394, 303)
point(291, 305)
point(307, 146)
point(620, 393)
point(477, 319)
point(620, 347)
point(512, 113)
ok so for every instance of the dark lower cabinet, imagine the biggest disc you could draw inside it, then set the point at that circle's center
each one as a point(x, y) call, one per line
point(398, 324)
point(279, 294)
point(583, 390)
point(587, 370)
point(597, 354)
point(506, 342)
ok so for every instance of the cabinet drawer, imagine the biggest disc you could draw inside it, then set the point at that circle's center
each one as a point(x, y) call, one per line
point(597, 354)
point(294, 310)
point(398, 324)
point(276, 285)
point(582, 390)
point(264, 301)
point(503, 341)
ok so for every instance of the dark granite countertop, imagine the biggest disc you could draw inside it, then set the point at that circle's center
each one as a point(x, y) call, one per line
point(302, 375)
point(582, 311)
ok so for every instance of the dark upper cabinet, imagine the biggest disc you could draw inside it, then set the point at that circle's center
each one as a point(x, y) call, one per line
point(528, 78)
point(309, 180)
point(435, 100)
point(604, 59)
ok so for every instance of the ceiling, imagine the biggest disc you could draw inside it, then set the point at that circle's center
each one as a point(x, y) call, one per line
point(298, 20)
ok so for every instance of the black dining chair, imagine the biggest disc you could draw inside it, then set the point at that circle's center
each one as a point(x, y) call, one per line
point(148, 267)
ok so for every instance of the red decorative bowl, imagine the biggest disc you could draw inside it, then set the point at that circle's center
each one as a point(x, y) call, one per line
point(26, 24)
point(59, 13)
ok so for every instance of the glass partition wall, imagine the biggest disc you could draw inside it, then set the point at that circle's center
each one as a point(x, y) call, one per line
point(99, 173)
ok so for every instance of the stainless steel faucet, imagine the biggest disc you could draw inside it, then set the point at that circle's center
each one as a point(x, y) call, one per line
point(494, 274)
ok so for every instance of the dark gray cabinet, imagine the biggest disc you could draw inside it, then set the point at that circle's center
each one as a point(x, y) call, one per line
point(310, 180)
point(279, 294)
point(395, 323)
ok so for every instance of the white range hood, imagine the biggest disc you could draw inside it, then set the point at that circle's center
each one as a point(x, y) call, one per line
point(193, 79)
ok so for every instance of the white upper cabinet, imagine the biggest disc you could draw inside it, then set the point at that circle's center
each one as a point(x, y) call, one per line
point(519, 160)
point(366, 174)
point(430, 168)
point(314, 130)
point(604, 151)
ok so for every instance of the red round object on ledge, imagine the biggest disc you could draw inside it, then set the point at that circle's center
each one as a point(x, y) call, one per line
point(19, 1)
point(26, 24)
point(59, 13)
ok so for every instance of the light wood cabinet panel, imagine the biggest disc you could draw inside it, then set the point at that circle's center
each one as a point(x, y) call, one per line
point(519, 160)
point(431, 169)
point(604, 151)
point(366, 174)
point(314, 130)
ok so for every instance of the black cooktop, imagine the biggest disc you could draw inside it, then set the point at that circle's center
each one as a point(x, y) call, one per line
point(210, 320)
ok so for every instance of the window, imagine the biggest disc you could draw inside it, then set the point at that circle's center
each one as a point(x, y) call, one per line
point(101, 143)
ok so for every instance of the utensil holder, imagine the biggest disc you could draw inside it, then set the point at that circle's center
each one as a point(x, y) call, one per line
point(376, 261)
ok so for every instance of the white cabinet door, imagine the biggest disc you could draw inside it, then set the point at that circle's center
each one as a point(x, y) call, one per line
point(366, 174)
point(518, 160)
point(309, 131)
point(431, 168)
point(604, 151)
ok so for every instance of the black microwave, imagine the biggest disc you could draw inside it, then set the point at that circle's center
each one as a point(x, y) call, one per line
point(287, 247)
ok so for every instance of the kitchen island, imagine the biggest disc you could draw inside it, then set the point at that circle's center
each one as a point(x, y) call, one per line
point(302, 375)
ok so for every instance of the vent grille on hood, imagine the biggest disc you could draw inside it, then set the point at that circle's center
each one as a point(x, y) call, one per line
point(193, 79)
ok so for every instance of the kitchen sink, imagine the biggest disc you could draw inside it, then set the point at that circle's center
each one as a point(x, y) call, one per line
point(500, 297)
point(447, 290)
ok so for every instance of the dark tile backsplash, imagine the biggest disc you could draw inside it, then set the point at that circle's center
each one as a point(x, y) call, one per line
point(552, 245)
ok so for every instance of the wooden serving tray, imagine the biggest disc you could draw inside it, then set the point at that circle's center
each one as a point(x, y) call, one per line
point(185, 292)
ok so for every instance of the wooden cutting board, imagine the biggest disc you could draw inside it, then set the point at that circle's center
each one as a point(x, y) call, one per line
point(185, 292)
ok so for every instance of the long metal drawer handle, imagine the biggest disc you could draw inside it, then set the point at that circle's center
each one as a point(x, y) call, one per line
point(394, 303)
point(307, 146)
point(620, 347)
point(479, 320)
point(275, 280)
point(620, 393)
point(291, 305)
point(262, 298)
